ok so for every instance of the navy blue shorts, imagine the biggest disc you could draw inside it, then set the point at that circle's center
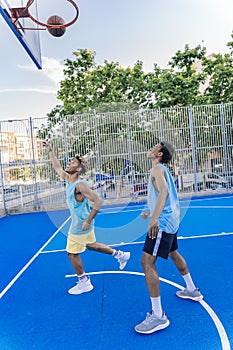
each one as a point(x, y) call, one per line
point(162, 245)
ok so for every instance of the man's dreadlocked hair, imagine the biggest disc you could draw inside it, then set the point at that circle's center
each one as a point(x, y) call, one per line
point(83, 164)
point(168, 150)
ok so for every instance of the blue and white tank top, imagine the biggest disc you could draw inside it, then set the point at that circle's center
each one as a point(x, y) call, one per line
point(79, 210)
point(170, 217)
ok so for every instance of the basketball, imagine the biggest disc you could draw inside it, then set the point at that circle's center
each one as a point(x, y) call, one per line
point(56, 21)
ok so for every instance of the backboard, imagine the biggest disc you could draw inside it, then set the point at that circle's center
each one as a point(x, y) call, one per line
point(29, 38)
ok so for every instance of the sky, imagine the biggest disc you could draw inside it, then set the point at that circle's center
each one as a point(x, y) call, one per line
point(123, 31)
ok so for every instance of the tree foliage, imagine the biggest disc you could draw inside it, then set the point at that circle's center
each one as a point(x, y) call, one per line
point(89, 86)
point(90, 89)
point(219, 69)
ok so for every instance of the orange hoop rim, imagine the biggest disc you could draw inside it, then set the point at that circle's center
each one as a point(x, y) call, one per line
point(30, 2)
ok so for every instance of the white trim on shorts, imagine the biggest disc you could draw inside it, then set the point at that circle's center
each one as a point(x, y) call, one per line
point(157, 242)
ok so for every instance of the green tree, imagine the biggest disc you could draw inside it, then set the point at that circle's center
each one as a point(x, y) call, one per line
point(178, 85)
point(90, 89)
point(87, 85)
point(219, 70)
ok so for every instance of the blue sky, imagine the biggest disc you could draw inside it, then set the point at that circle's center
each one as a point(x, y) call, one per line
point(123, 31)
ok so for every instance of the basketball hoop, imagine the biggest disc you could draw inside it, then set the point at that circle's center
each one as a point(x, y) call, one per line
point(23, 12)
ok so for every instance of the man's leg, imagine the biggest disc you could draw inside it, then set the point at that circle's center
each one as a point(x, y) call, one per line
point(152, 282)
point(190, 292)
point(151, 274)
point(76, 262)
point(84, 284)
point(156, 319)
point(101, 248)
point(179, 262)
point(122, 257)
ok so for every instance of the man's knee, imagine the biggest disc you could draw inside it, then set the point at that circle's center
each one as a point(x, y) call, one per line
point(91, 246)
point(147, 261)
point(174, 255)
point(72, 255)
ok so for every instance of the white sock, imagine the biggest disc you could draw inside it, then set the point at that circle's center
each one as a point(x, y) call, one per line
point(117, 253)
point(114, 252)
point(82, 277)
point(189, 282)
point(156, 306)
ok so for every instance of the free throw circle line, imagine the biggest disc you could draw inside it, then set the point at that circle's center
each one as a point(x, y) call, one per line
point(221, 331)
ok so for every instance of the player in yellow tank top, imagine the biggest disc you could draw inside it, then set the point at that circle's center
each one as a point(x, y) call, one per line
point(81, 235)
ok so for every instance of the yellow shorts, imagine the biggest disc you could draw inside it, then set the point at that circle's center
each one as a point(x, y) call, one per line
point(77, 243)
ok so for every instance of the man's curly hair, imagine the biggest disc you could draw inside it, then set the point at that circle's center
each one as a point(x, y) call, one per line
point(83, 164)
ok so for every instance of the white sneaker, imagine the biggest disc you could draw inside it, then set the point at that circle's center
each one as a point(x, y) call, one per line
point(81, 287)
point(122, 258)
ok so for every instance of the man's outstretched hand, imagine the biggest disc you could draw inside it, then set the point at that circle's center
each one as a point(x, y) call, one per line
point(47, 146)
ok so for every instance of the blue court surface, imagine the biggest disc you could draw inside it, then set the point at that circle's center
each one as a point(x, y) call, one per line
point(38, 313)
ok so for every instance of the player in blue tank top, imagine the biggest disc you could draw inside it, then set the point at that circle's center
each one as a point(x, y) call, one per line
point(81, 234)
point(161, 240)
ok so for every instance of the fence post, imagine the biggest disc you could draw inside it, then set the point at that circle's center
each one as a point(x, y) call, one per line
point(34, 177)
point(98, 151)
point(224, 139)
point(129, 142)
point(21, 195)
point(192, 137)
point(161, 125)
point(1, 174)
point(65, 139)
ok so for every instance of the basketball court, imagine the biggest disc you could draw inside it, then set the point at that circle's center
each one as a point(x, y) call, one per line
point(38, 313)
point(36, 310)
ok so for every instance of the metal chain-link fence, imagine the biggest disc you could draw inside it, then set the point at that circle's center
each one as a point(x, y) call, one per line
point(116, 145)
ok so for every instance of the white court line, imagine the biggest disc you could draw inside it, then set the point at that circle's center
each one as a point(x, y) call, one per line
point(3, 292)
point(207, 236)
point(221, 331)
point(142, 242)
point(208, 207)
point(120, 211)
point(179, 238)
point(53, 251)
point(207, 198)
point(182, 207)
point(143, 208)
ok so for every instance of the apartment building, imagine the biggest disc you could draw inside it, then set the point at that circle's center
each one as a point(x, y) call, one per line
point(17, 153)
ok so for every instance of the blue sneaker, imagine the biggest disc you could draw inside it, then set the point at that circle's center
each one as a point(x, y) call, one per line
point(152, 323)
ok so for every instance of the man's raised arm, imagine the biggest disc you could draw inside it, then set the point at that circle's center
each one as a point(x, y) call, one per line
point(55, 162)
